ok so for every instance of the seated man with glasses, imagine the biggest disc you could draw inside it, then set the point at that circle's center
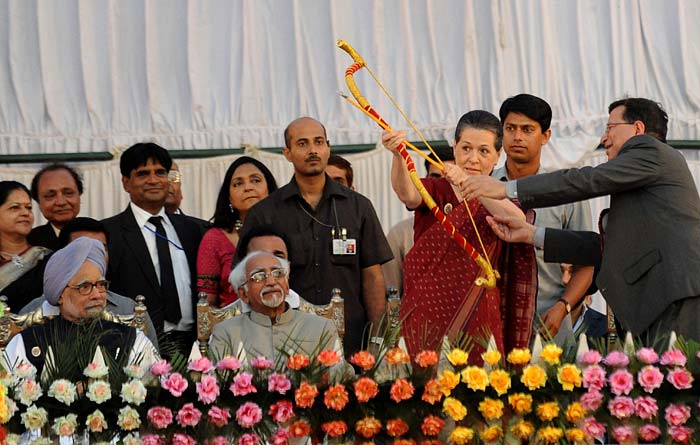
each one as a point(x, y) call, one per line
point(271, 328)
point(74, 282)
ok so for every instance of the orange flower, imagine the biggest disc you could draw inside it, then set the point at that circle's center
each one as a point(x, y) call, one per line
point(520, 402)
point(431, 442)
point(569, 376)
point(368, 427)
point(328, 357)
point(304, 396)
point(475, 378)
point(519, 356)
point(491, 434)
point(575, 412)
point(533, 377)
point(298, 362)
point(432, 425)
point(500, 381)
point(401, 389)
point(396, 427)
point(448, 381)
point(336, 397)
point(425, 359)
point(403, 442)
point(365, 389)
point(300, 428)
point(523, 430)
point(363, 359)
point(491, 409)
point(547, 411)
point(397, 356)
point(550, 434)
point(575, 435)
point(335, 428)
point(432, 393)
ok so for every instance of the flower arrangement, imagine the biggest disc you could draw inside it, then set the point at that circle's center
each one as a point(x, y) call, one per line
point(629, 395)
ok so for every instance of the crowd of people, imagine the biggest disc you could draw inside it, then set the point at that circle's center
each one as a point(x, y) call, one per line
point(269, 249)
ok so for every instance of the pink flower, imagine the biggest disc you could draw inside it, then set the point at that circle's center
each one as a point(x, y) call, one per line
point(591, 358)
point(621, 407)
point(623, 434)
point(674, 357)
point(183, 439)
point(680, 378)
point(202, 364)
point(645, 407)
point(152, 439)
point(594, 377)
point(621, 382)
point(278, 383)
point(218, 440)
point(248, 415)
point(647, 356)
point(282, 411)
point(219, 416)
point(617, 359)
point(677, 414)
point(650, 378)
point(593, 428)
point(281, 437)
point(159, 368)
point(592, 400)
point(160, 417)
point(175, 383)
point(188, 415)
point(228, 363)
point(680, 434)
point(243, 384)
point(261, 362)
point(207, 389)
point(649, 432)
point(248, 439)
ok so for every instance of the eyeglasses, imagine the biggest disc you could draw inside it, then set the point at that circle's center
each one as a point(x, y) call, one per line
point(261, 275)
point(611, 125)
point(85, 288)
point(174, 176)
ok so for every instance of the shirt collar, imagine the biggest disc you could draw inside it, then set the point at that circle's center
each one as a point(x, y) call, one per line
point(501, 173)
point(330, 188)
point(142, 216)
point(285, 317)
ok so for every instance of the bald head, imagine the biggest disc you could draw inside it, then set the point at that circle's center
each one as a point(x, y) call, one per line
point(298, 121)
point(307, 147)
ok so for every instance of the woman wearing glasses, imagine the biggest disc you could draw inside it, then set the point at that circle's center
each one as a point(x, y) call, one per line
point(246, 182)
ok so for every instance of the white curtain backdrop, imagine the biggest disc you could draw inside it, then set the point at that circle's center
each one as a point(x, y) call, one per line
point(99, 75)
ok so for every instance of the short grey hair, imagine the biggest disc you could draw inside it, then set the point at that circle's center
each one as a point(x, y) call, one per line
point(238, 276)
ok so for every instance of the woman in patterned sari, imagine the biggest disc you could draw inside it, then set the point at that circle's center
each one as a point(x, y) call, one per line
point(440, 297)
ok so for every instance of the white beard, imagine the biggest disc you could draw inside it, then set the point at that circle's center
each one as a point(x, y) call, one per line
point(270, 298)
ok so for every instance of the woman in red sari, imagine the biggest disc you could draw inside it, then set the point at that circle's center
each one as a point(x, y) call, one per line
point(440, 297)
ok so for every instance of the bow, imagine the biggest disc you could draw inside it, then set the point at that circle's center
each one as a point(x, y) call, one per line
point(489, 281)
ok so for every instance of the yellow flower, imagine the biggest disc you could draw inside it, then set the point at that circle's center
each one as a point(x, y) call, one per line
point(533, 377)
point(491, 357)
point(575, 435)
point(569, 376)
point(547, 411)
point(461, 435)
point(448, 380)
point(523, 430)
point(551, 353)
point(491, 409)
point(500, 381)
point(475, 378)
point(519, 356)
point(550, 434)
point(491, 434)
point(575, 412)
point(521, 403)
point(458, 357)
point(454, 408)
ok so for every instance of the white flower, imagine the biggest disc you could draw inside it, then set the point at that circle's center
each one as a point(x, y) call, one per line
point(96, 370)
point(34, 418)
point(133, 392)
point(128, 419)
point(24, 370)
point(130, 439)
point(12, 439)
point(99, 391)
point(96, 422)
point(65, 425)
point(8, 379)
point(63, 390)
point(134, 371)
point(11, 407)
point(28, 392)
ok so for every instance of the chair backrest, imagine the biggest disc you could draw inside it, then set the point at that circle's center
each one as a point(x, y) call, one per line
point(12, 324)
point(208, 317)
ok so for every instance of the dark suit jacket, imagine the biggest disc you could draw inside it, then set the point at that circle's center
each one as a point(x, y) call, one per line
point(130, 268)
point(651, 257)
point(44, 236)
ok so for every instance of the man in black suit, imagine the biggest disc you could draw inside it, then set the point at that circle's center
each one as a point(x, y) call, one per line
point(57, 189)
point(152, 253)
point(650, 261)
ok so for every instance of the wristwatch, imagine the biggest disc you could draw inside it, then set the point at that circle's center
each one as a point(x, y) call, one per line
point(566, 305)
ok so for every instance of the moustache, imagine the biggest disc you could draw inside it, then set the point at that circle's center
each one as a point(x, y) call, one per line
point(273, 288)
point(313, 158)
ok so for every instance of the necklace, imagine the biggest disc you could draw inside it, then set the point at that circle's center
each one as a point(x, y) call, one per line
point(16, 259)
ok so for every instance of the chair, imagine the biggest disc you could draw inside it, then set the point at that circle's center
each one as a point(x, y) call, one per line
point(12, 324)
point(208, 317)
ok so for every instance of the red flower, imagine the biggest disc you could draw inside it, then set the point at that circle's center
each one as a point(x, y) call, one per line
point(432, 425)
point(300, 428)
point(368, 427)
point(328, 357)
point(432, 392)
point(425, 359)
point(335, 428)
point(336, 397)
point(363, 359)
point(304, 396)
point(298, 362)
point(365, 389)
point(401, 389)
point(396, 427)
